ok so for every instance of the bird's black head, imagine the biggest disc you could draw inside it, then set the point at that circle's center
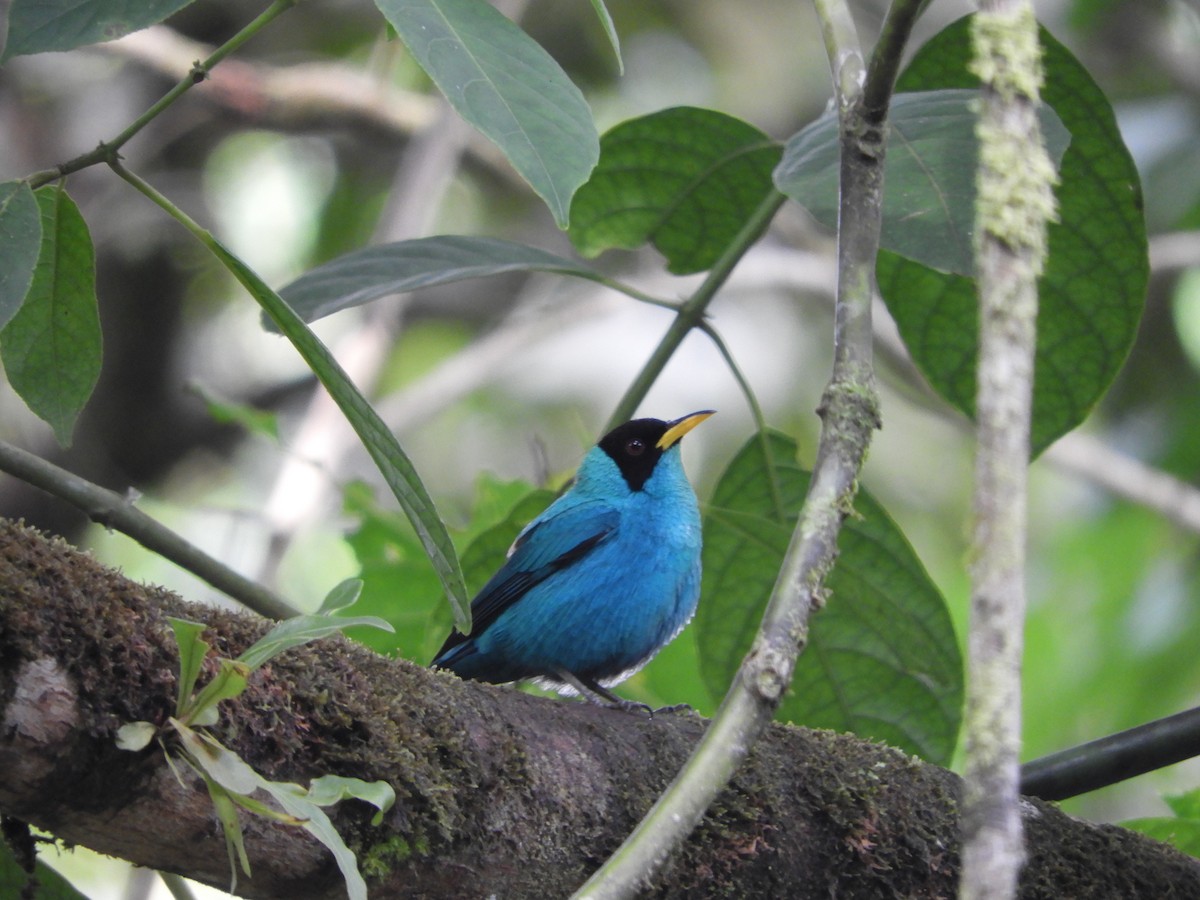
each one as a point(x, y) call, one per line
point(637, 446)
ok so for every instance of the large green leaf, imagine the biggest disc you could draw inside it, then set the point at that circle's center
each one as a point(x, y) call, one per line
point(1094, 283)
point(381, 445)
point(51, 347)
point(20, 243)
point(684, 179)
point(374, 272)
point(35, 26)
point(882, 659)
point(929, 183)
point(502, 82)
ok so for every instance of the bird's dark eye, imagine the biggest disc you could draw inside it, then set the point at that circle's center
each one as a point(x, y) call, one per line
point(635, 446)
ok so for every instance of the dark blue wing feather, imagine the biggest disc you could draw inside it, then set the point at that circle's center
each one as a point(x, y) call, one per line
point(558, 539)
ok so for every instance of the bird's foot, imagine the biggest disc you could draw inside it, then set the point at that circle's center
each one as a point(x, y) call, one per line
point(677, 708)
point(593, 692)
point(631, 706)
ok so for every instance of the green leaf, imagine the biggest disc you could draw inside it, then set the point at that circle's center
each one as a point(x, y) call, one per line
point(495, 500)
point(1185, 805)
point(882, 659)
point(135, 736)
point(225, 412)
point(20, 244)
point(396, 589)
point(14, 880)
point(344, 593)
point(216, 761)
point(1183, 834)
point(1182, 830)
point(225, 775)
point(330, 789)
point(684, 179)
point(374, 272)
point(386, 452)
point(929, 175)
point(36, 26)
point(231, 828)
point(235, 776)
point(1093, 288)
point(192, 650)
point(299, 630)
point(502, 82)
point(51, 347)
point(610, 32)
point(314, 820)
point(229, 682)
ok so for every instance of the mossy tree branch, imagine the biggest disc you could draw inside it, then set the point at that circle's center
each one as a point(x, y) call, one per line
point(498, 792)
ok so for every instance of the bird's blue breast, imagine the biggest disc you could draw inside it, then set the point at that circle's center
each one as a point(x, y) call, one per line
point(601, 616)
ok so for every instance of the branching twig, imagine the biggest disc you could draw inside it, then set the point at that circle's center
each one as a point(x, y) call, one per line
point(289, 97)
point(108, 150)
point(110, 509)
point(849, 411)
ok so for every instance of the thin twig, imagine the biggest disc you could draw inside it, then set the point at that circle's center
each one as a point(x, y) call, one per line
point(1132, 479)
point(111, 510)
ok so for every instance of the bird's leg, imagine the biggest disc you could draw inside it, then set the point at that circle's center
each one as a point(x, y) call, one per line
point(591, 691)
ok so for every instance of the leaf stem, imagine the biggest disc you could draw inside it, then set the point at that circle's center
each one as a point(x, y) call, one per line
point(629, 291)
point(108, 150)
point(691, 313)
point(111, 510)
point(760, 421)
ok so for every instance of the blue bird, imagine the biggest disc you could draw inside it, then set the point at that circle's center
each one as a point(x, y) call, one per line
point(599, 582)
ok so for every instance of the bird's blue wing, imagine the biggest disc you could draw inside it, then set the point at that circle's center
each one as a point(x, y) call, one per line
point(558, 539)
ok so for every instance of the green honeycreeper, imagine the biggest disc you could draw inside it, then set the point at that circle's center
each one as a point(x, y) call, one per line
point(599, 582)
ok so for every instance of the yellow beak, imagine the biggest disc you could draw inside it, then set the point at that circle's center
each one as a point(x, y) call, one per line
point(682, 426)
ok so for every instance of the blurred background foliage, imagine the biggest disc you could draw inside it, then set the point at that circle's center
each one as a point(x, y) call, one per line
point(321, 135)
